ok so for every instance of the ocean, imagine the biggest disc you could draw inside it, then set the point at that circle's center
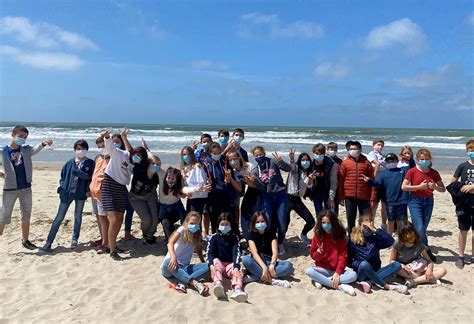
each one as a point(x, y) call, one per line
point(447, 146)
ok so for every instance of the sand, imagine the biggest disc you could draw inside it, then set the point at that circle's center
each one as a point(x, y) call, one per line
point(82, 286)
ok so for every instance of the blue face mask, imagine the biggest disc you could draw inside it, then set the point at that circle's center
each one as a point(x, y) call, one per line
point(194, 228)
point(470, 155)
point(305, 164)
point(237, 139)
point(223, 140)
point(20, 140)
point(136, 159)
point(326, 227)
point(424, 163)
point(261, 227)
point(117, 145)
point(205, 145)
point(186, 159)
point(216, 157)
point(224, 229)
point(260, 159)
point(318, 157)
point(154, 168)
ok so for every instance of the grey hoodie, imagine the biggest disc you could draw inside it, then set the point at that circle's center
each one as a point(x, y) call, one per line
point(27, 152)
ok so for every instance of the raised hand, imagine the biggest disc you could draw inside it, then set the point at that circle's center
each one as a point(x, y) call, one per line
point(47, 141)
point(124, 133)
point(227, 176)
point(292, 155)
point(277, 156)
point(105, 133)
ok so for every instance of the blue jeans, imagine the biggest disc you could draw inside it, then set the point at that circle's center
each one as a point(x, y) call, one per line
point(282, 268)
point(185, 274)
point(323, 276)
point(320, 201)
point(366, 271)
point(420, 210)
point(275, 206)
point(128, 215)
point(63, 207)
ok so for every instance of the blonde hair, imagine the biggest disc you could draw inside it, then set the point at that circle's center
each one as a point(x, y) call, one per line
point(189, 237)
point(356, 235)
point(406, 147)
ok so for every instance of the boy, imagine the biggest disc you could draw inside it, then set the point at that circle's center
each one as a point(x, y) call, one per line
point(18, 174)
point(389, 183)
point(465, 173)
point(377, 159)
point(354, 192)
point(223, 137)
point(237, 138)
point(332, 153)
point(76, 175)
point(202, 154)
point(325, 172)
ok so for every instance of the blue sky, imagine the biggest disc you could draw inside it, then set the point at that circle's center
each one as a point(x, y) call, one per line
point(299, 63)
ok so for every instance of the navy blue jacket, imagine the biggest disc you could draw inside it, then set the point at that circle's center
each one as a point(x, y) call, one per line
point(224, 248)
point(84, 175)
point(390, 181)
point(370, 250)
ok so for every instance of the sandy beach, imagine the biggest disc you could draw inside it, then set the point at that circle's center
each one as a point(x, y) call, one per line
point(81, 286)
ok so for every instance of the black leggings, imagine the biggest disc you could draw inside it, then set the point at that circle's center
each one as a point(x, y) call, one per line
point(295, 203)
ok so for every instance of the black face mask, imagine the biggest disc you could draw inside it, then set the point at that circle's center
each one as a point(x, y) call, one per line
point(366, 232)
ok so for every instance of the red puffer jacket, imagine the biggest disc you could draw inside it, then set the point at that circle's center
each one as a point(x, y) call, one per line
point(351, 185)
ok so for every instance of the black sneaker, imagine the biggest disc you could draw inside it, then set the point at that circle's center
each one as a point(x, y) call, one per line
point(432, 256)
point(119, 250)
point(115, 256)
point(27, 244)
point(460, 263)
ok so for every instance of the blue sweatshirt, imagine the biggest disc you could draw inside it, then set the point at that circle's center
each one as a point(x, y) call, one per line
point(215, 170)
point(370, 250)
point(68, 188)
point(390, 181)
point(224, 248)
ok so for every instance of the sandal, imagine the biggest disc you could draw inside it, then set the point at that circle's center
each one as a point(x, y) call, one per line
point(96, 243)
point(178, 287)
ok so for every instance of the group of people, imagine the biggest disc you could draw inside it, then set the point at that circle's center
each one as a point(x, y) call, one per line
point(242, 209)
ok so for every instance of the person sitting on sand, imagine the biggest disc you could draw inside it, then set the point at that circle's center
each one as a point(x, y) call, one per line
point(417, 266)
point(364, 256)
point(177, 263)
point(223, 256)
point(262, 264)
point(329, 252)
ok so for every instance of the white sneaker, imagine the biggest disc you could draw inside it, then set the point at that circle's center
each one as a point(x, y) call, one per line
point(317, 284)
point(304, 239)
point(249, 279)
point(281, 249)
point(239, 295)
point(219, 291)
point(399, 288)
point(281, 283)
point(347, 289)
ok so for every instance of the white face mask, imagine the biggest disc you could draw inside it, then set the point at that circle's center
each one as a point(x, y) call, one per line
point(391, 165)
point(81, 153)
point(354, 153)
point(332, 153)
point(102, 151)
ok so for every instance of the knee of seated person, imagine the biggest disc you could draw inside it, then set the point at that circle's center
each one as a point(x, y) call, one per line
point(246, 260)
point(365, 265)
point(309, 270)
point(397, 265)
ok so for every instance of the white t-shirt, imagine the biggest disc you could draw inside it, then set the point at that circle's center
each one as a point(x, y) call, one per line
point(194, 179)
point(119, 168)
point(182, 250)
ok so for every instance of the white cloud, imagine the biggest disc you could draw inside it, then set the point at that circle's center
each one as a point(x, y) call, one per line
point(403, 32)
point(332, 71)
point(444, 75)
point(43, 35)
point(43, 60)
point(255, 25)
point(209, 65)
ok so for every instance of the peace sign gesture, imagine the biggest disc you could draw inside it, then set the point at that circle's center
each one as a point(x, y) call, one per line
point(105, 133)
point(292, 155)
point(125, 132)
point(312, 175)
point(277, 156)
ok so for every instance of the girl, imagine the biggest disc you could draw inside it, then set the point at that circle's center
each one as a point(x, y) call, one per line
point(298, 182)
point(196, 185)
point(114, 191)
point(325, 179)
point(220, 198)
point(184, 241)
point(143, 196)
point(76, 175)
point(223, 257)
point(406, 157)
point(364, 256)
point(262, 263)
point(329, 252)
point(271, 185)
point(421, 181)
point(417, 266)
point(242, 175)
point(171, 192)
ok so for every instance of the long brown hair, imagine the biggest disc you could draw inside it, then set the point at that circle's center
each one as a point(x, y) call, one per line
point(405, 230)
point(337, 230)
point(192, 157)
point(178, 187)
point(253, 221)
